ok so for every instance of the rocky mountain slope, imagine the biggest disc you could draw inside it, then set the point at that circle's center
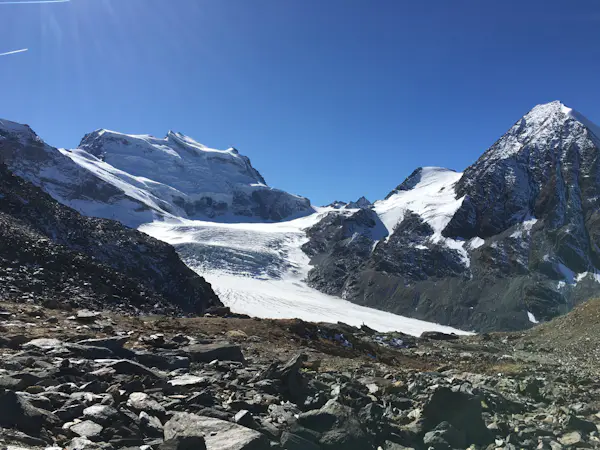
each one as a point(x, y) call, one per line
point(117, 382)
point(512, 241)
point(49, 253)
point(137, 179)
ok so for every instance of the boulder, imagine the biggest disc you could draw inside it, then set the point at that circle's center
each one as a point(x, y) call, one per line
point(438, 336)
point(140, 401)
point(127, 367)
point(339, 426)
point(577, 424)
point(444, 437)
point(151, 425)
point(219, 351)
point(184, 443)
point(217, 433)
point(43, 344)
point(459, 409)
point(80, 443)
point(573, 439)
point(17, 412)
point(162, 361)
point(290, 376)
point(87, 429)
point(115, 343)
point(290, 441)
point(101, 414)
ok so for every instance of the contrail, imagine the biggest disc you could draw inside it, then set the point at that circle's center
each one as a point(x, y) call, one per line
point(33, 2)
point(14, 52)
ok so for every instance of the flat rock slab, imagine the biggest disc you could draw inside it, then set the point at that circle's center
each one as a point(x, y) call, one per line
point(43, 344)
point(101, 414)
point(111, 343)
point(128, 367)
point(189, 380)
point(218, 434)
point(140, 401)
point(210, 352)
point(87, 429)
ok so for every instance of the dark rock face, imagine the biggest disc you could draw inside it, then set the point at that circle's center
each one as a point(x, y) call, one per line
point(546, 166)
point(339, 245)
point(462, 412)
point(50, 253)
point(361, 203)
point(524, 238)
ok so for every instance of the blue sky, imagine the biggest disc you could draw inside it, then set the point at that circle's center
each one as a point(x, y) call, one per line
point(330, 99)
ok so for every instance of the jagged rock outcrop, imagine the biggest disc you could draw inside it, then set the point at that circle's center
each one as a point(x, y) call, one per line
point(361, 203)
point(339, 245)
point(49, 253)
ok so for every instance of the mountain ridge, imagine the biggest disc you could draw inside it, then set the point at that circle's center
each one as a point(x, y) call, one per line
point(523, 219)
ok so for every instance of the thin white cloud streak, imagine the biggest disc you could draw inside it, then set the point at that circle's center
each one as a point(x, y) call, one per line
point(14, 52)
point(33, 2)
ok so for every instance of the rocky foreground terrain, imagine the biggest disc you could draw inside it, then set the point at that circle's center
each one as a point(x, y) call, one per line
point(96, 380)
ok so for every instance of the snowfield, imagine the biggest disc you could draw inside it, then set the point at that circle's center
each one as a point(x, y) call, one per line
point(258, 269)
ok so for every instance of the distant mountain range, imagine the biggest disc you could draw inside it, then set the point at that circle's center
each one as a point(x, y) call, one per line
point(511, 241)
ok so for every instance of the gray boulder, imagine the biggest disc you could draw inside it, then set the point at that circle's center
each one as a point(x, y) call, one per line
point(218, 351)
point(460, 410)
point(218, 434)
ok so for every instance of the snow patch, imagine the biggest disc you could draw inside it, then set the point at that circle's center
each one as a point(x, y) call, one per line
point(524, 227)
point(179, 177)
point(476, 242)
point(532, 318)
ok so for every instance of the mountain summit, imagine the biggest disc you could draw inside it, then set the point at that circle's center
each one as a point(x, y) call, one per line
point(138, 178)
point(513, 240)
point(543, 167)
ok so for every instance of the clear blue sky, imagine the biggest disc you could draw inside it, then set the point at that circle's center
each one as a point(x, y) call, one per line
point(331, 99)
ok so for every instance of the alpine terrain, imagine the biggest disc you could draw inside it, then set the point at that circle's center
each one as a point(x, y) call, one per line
point(252, 258)
point(510, 242)
point(108, 341)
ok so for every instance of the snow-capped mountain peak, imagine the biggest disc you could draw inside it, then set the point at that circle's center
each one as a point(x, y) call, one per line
point(361, 203)
point(139, 178)
point(517, 177)
point(543, 124)
point(168, 157)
